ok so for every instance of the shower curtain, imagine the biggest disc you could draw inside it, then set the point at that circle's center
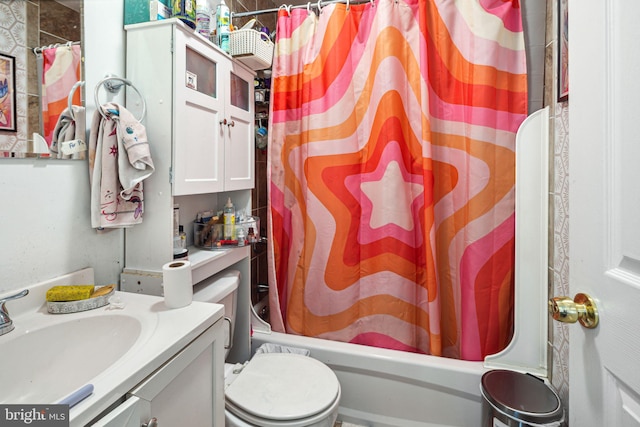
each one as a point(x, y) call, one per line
point(391, 173)
point(58, 72)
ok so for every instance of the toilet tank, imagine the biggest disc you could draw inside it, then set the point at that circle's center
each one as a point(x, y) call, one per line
point(221, 288)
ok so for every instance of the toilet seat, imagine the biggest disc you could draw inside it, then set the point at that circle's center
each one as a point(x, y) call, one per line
point(283, 389)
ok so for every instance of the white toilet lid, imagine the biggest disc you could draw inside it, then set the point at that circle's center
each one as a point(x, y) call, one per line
point(283, 386)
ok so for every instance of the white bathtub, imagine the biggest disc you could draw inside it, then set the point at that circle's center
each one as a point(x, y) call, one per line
point(393, 388)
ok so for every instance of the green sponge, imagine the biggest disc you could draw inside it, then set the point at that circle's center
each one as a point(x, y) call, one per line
point(69, 292)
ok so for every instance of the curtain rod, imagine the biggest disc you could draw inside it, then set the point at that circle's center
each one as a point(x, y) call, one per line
point(314, 5)
point(38, 50)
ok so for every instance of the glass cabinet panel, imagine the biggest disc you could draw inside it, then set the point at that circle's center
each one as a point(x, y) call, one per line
point(200, 74)
point(239, 92)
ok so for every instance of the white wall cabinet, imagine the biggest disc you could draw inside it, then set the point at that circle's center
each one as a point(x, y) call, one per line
point(201, 99)
point(187, 390)
point(200, 127)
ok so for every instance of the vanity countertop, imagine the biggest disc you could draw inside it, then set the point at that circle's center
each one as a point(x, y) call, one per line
point(113, 348)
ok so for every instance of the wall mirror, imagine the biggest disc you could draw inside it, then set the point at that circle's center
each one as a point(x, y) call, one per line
point(33, 26)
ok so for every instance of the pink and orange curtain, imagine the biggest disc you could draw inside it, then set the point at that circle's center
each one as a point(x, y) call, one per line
point(391, 168)
point(60, 71)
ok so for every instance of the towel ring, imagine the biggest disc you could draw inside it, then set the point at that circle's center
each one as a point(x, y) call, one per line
point(70, 98)
point(115, 88)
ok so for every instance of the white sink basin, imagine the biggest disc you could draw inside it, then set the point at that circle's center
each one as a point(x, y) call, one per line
point(47, 363)
point(113, 348)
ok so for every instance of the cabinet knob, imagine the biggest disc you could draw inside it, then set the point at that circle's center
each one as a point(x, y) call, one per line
point(223, 121)
point(231, 123)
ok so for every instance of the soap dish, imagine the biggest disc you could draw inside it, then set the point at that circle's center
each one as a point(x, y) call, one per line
point(65, 307)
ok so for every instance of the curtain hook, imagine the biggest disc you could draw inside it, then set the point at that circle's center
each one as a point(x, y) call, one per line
point(347, 5)
point(308, 8)
point(319, 6)
point(373, 3)
point(286, 8)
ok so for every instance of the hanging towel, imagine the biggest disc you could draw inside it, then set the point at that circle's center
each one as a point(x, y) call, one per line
point(119, 162)
point(68, 140)
point(60, 71)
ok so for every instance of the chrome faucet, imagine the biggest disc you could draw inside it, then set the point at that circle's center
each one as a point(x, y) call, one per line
point(6, 324)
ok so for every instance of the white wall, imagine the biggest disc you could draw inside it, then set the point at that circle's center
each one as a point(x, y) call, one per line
point(45, 229)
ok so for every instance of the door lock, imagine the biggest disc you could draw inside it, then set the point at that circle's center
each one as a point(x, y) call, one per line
point(581, 309)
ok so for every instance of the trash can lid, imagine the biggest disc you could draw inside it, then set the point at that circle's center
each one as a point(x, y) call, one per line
point(522, 397)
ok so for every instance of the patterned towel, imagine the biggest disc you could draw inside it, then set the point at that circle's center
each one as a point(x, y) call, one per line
point(119, 160)
point(69, 135)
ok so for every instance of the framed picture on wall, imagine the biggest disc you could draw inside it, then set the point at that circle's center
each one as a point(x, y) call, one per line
point(563, 51)
point(7, 93)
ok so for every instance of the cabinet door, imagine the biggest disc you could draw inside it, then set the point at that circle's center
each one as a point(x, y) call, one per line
point(239, 145)
point(189, 389)
point(199, 94)
point(129, 414)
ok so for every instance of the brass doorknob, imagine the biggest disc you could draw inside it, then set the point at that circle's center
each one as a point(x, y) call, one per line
point(581, 309)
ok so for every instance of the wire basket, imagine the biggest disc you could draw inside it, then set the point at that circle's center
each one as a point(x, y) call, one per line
point(252, 48)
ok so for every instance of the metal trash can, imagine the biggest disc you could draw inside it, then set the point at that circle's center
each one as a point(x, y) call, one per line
point(515, 399)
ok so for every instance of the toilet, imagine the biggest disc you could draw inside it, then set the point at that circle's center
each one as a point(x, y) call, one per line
point(273, 388)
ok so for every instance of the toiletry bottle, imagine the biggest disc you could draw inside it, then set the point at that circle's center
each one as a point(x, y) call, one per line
point(229, 221)
point(251, 237)
point(222, 26)
point(203, 18)
point(242, 240)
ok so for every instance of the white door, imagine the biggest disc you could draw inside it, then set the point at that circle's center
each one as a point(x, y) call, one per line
point(604, 203)
point(240, 143)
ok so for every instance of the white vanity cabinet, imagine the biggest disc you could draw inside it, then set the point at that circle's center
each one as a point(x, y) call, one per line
point(187, 390)
point(198, 98)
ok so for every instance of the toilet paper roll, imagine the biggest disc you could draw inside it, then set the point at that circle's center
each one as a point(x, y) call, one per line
point(177, 283)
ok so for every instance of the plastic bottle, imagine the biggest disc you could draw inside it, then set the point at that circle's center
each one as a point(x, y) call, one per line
point(222, 26)
point(203, 18)
point(242, 240)
point(229, 221)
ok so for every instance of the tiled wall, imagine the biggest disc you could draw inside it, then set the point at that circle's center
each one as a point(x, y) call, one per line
point(559, 207)
point(25, 25)
point(13, 42)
